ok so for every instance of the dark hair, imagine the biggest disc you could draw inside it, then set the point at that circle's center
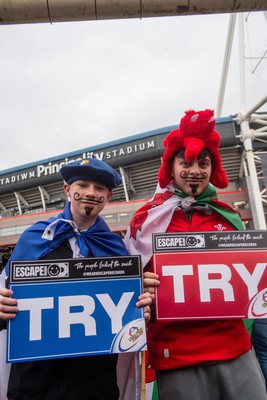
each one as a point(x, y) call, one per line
point(203, 154)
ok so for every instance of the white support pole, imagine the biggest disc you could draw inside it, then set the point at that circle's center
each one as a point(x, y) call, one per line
point(254, 190)
point(42, 197)
point(122, 172)
point(242, 63)
point(18, 202)
point(226, 62)
point(255, 108)
point(247, 137)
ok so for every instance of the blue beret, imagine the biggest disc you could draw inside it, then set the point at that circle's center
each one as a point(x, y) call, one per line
point(90, 169)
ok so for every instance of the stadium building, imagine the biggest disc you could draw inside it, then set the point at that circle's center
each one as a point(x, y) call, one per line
point(34, 191)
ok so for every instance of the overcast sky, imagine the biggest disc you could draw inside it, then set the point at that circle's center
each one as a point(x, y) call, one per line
point(68, 86)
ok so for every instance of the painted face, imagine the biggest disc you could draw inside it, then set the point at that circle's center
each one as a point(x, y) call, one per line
point(88, 198)
point(192, 178)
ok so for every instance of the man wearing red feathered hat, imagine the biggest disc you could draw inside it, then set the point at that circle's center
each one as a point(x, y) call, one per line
point(207, 359)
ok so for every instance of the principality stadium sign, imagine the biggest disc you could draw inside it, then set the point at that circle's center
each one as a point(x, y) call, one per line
point(48, 170)
point(121, 153)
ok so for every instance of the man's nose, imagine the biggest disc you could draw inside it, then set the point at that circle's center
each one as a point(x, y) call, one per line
point(90, 191)
point(194, 169)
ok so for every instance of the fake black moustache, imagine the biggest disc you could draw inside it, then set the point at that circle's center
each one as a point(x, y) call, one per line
point(186, 175)
point(95, 200)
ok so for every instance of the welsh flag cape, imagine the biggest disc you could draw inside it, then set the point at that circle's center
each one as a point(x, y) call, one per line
point(155, 216)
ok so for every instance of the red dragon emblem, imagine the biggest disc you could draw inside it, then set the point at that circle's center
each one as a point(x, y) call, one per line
point(141, 215)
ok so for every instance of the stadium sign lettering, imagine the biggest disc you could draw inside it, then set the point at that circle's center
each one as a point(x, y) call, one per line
point(52, 168)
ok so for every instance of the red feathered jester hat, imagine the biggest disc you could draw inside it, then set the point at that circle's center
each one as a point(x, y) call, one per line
point(195, 133)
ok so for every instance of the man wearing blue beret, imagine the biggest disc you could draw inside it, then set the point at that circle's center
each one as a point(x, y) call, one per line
point(78, 231)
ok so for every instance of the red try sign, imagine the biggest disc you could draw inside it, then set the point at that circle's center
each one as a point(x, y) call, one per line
point(211, 284)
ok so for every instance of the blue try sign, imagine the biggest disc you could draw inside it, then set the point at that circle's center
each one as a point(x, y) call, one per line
point(75, 307)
